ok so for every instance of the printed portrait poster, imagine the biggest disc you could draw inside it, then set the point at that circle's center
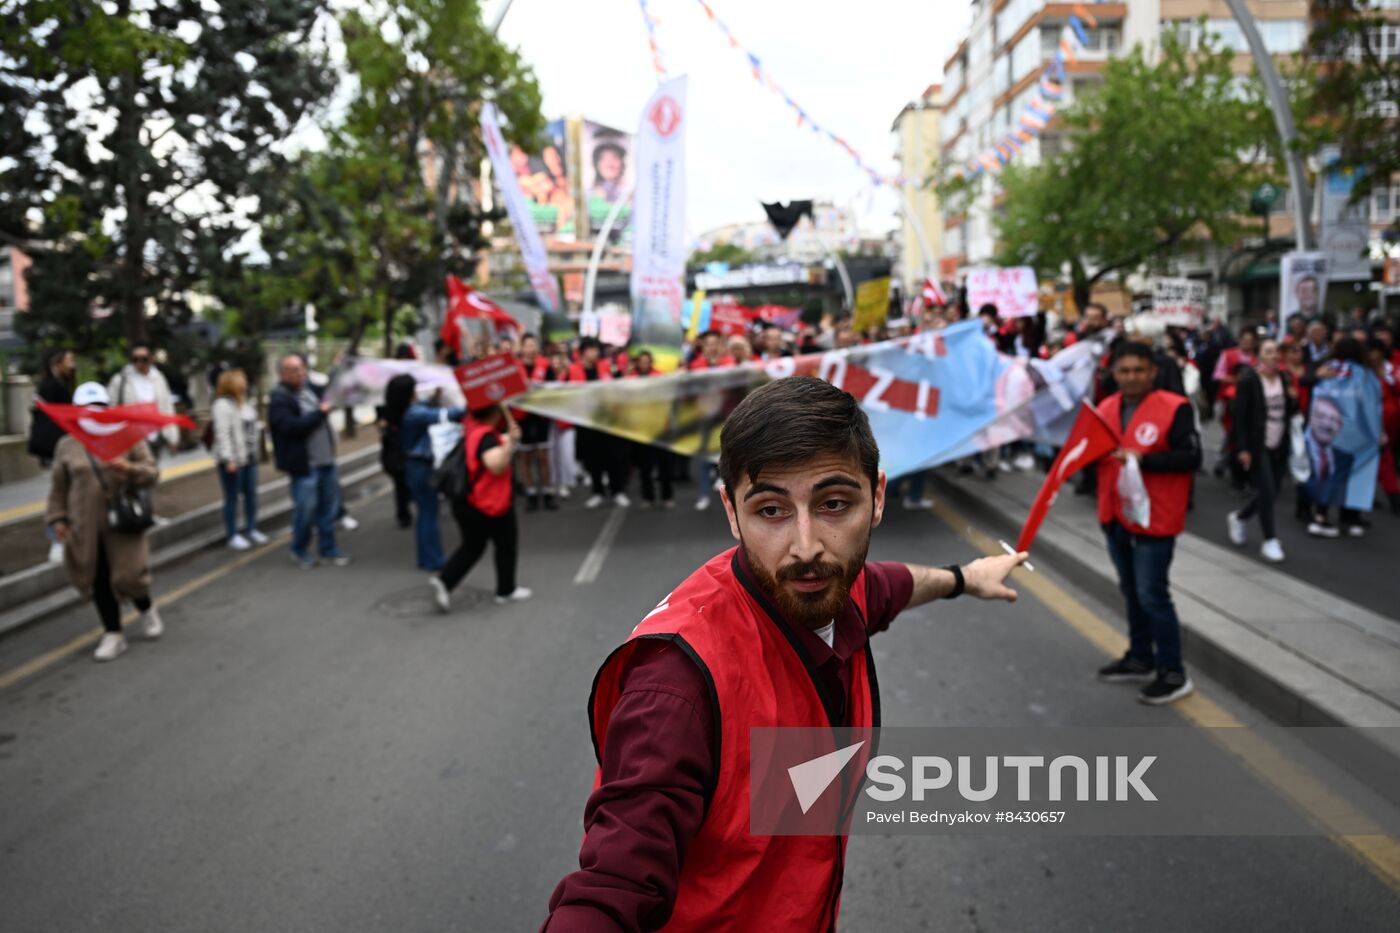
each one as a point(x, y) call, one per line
point(544, 181)
point(1302, 286)
point(1343, 440)
point(607, 174)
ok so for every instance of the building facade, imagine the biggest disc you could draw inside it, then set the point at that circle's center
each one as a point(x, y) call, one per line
point(920, 239)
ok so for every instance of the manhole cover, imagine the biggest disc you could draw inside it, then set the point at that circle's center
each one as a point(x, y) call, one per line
point(418, 601)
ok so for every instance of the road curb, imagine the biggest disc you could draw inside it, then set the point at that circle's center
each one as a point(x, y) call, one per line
point(1279, 682)
point(42, 590)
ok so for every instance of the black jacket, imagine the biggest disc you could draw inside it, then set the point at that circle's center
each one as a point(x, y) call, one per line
point(289, 429)
point(44, 435)
point(1250, 414)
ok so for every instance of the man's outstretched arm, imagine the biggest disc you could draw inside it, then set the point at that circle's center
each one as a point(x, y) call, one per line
point(984, 578)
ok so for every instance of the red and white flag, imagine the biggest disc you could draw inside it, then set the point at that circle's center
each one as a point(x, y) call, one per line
point(933, 294)
point(110, 432)
point(467, 304)
point(1090, 439)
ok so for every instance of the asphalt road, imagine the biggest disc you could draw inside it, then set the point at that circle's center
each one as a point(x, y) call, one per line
point(322, 751)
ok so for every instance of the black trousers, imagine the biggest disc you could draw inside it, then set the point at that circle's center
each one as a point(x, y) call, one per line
point(403, 498)
point(1266, 474)
point(652, 461)
point(604, 456)
point(109, 608)
point(477, 529)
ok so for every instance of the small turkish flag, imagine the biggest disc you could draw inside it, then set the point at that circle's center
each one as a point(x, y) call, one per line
point(110, 432)
point(1090, 439)
point(933, 294)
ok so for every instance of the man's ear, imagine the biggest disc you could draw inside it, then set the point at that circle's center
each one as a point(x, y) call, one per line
point(879, 512)
point(729, 512)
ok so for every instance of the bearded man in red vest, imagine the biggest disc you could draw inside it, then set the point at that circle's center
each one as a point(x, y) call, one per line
point(772, 633)
point(1159, 432)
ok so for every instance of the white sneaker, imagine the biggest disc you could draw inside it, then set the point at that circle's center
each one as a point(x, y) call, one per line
point(1024, 462)
point(563, 492)
point(1004, 466)
point(258, 538)
point(1237, 528)
point(1271, 550)
point(518, 595)
point(110, 647)
point(151, 625)
point(1356, 531)
point(594, 501)
point(702, 505)
point(621, 501)
point(56, 553)
point(348, 522)
point(440, 594)
point(238, 543)
point(920, 505)
point(1322, 530)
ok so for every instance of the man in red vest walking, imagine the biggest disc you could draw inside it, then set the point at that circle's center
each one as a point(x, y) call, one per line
point(1159, 432)
point(771, 633)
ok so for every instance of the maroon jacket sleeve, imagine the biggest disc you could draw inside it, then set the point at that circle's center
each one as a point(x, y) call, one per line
point(658, 763)
point(888, 588)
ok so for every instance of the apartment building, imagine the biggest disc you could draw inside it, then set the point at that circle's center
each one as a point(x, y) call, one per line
point(994, 72)
point(916, 131)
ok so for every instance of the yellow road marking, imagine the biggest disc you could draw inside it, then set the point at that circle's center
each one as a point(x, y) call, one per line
point(30, 509)
point(1379, 853)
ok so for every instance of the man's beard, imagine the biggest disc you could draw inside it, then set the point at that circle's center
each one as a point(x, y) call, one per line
point(809, 610)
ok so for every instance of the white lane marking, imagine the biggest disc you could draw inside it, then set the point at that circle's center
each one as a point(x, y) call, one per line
point(593, 563)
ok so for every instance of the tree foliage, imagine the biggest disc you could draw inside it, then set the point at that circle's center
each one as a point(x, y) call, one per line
point(1357, 89)
point(138, 136)
point(731, 253)
point(1159, 154)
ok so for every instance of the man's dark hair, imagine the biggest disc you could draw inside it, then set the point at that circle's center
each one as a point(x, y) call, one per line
point(1099, 305)
point(403, 351)
point(138, 345)
point(709, 333)
point(790, 421)
point(590, 343)
point(485, 413)
point(1134, 348)
point(531, 336)
point(987, 309)
point(1348, 350)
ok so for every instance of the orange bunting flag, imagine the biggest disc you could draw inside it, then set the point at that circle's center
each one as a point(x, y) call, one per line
point(1083, 13)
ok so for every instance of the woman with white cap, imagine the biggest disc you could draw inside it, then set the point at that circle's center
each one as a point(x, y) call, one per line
point(104, 565)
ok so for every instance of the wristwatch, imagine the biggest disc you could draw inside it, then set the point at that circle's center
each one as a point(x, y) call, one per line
point(959, 584)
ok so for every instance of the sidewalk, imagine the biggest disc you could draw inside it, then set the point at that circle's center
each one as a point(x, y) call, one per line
point(187, 483)
point(1302, 654)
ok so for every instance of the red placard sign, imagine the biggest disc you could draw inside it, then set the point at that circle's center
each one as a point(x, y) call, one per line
point(491, 380)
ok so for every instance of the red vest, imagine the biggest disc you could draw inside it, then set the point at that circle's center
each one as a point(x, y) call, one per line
point(758, 677)
point(1146, 433)
point(577, 374)
point(490, 494)
point(701, 363)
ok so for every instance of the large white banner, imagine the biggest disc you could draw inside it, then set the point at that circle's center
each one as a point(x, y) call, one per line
point(1179, 302)
point(658, 223)
point(1014, 291)
point(527, 235)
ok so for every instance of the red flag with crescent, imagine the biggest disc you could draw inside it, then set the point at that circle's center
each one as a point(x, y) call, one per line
point(1090, 439)
point(110, 432)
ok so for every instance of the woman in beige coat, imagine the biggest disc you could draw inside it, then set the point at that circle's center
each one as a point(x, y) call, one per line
point(103, 565)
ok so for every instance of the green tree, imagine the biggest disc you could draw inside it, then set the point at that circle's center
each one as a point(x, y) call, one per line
point(419, 104)
point(138, 138)
point(1356, 89)
point(1158, 155)
point(732, 253)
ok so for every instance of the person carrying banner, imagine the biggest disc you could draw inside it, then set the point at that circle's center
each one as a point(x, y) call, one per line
point(1264, 404)
point(398, 395)
point(303, 446)
point(415, 437)
point(535, 434)
point(487, 514)
point(1158, 439)
point(773, 631)
point(652, 462)
point(602, 454)
point(1332, 464)
point(103, 564)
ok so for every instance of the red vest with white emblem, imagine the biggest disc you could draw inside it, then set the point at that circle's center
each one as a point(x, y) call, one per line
point(759, 676)
point(1146, 433)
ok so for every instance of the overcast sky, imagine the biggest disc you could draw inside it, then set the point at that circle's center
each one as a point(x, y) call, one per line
point(852, 65)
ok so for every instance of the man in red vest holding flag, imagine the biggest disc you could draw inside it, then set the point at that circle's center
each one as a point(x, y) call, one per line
point(771, 633)
point(1158, 434)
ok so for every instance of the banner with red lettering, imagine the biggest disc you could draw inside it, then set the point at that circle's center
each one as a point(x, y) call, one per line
point(110, 432)
point(1090, 439)
point(1014, 291)
point(931, 397)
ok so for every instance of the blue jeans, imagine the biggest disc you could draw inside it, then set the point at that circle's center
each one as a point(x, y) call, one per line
point(245, 483)
point(1143, 563)
point(427, 536)
point(315, 500)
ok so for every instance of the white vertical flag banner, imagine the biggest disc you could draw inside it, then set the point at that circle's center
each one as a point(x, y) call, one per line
point(527, 235)
point(658, 224)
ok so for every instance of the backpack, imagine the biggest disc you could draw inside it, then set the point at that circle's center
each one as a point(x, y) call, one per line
point(451, 478)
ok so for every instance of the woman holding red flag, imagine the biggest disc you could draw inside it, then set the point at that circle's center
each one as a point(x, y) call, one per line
point(103, 564)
